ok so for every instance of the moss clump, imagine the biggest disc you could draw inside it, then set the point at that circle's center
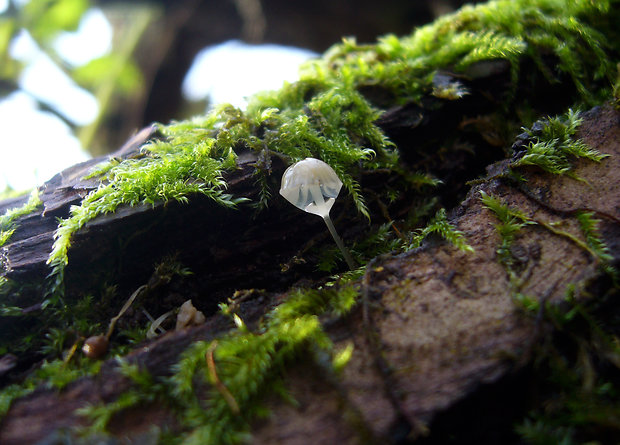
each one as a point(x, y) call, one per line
point(325, 115)
point(7, 221)
point(554, 148)
point(387, 238)
point(439, 224)
point(511, 223)
point(577, 387)
point(464, 42)
point(331, 113)
point(194, 167)
point(217, 387)
point(51, 374)
point(59, 332)
point(589, 226)
point(7, 228)
point(513, 220)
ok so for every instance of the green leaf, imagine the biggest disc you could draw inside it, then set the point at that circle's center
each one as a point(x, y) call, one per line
point(45, 19)
point(125, 75)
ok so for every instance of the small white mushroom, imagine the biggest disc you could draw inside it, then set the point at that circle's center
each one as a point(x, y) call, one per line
point(313, 186)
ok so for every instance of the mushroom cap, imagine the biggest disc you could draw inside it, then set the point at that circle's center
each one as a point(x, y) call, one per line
point(311, 185)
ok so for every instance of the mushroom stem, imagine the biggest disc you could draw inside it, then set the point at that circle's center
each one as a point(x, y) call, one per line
point(319, 201)
point(345, 253)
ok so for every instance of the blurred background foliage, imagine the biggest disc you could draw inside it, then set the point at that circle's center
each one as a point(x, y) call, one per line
point(138, 79)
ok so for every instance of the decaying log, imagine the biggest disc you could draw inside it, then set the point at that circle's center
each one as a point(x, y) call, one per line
point(436, 325)
point(445, 321)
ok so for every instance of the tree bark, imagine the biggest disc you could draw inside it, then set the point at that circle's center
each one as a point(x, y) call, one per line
point(436, 328)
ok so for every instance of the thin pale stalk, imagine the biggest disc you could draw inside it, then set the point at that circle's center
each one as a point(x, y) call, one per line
point(345, 253)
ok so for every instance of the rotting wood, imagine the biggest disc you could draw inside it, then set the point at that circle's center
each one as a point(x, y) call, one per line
point(445, 322)
point(441, 323)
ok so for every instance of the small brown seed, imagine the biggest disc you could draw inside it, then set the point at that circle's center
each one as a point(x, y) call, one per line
point(95, 346)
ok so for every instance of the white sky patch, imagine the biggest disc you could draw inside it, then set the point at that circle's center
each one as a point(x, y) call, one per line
point(35, 145)
point(92, 39)
point(4, 4)
point(44, 80)
point(24, 48)
point(234, 70)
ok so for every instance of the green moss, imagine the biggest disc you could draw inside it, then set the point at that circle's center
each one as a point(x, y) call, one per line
point(511, 223)
point(589, 226)
point(7, 221)
point(577, 398)
point(8, 225)
point(324, 114)
point(330, 114)
point(251, 365)
point(385, 239)
point(195, 167)
point(54, 340)
point(440, 225)
point(14, 392)
point(55, 374)
point(59, 332)
point(249, 368)
point(513, 220)
point(554, 148)
point(217, 387)
point(462, 42)
point(146, 390)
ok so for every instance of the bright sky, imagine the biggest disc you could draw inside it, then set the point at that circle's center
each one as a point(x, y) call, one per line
point(36, 145)
point(234, 70)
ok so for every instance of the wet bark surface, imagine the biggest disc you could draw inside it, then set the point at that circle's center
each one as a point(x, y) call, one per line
point(436, 327)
